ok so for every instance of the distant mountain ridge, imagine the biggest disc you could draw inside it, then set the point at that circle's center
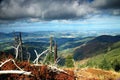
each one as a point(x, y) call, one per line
point(80, 47)
point(94, 47)
point(106, 38)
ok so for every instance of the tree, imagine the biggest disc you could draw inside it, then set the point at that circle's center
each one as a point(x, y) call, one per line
point(50, 58)
point(21, 47)
point(18, 46)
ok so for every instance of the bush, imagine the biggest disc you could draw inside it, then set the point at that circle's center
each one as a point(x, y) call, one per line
point(90, 63)
point(116, 65)
point(69, 61)
point(49, 58)
point(105, 64)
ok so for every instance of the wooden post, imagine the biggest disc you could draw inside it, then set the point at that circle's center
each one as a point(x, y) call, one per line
point(55, 52)
point(16, 45)
point(28, 55)
point(51, 43)
point(21, 49)
point(18, 41)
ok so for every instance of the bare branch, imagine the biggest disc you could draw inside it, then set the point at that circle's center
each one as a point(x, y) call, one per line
point(57, 61)
point(12, 61)
point(55, 69)
point(16, 50)
point(2, 63)
point(15, 72)
point(16, 65)
point(39, 55)
point(36, 53)
point(20, 71)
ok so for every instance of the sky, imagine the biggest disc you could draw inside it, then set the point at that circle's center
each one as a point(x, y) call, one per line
point(57, 15)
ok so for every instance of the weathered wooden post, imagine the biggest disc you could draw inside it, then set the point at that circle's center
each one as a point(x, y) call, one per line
point(16, 51)
point(55, 52)
point(21, 49)
point(18, 46)
point(51, 43)
point(28, 55)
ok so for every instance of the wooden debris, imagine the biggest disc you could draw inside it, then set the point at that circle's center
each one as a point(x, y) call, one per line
point(15, 72)
point(20, 71)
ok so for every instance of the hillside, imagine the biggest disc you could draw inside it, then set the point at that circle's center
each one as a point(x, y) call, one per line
point(98, 53)
point(40, 41)
point(95, 47)
point(107, 60)
point(80, 48)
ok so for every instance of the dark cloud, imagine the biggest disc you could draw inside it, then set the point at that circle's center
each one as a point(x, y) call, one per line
point(111, 7)
point(107, 4)
point(43, 9)
point(11, 10)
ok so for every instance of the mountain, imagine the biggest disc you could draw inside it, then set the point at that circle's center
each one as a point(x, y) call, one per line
point(74, 44)
point(4, 35)
point(94, 47)
point(107, 60)
point(106, 38)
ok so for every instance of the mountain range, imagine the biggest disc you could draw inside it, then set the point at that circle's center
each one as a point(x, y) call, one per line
point(95, 46)
point(79, 47)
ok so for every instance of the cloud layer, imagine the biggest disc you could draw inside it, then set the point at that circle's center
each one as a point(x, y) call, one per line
point(106, 4)
point(11, 10)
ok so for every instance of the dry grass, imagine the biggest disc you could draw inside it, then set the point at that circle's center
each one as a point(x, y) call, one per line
point(42, 73)
point(94, 74)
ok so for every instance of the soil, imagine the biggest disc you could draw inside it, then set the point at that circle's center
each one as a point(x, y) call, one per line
point(38, 72)
point(44, 73)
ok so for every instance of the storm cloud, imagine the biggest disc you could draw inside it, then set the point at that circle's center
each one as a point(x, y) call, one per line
point(55, 9)
point(106, 4)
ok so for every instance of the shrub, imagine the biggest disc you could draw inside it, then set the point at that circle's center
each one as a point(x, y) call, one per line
point(69, 61)
point(116, 65)
point(105, 64)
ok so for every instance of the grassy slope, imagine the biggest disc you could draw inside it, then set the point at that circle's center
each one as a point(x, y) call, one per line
point(98, 45)
point(110, 56)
